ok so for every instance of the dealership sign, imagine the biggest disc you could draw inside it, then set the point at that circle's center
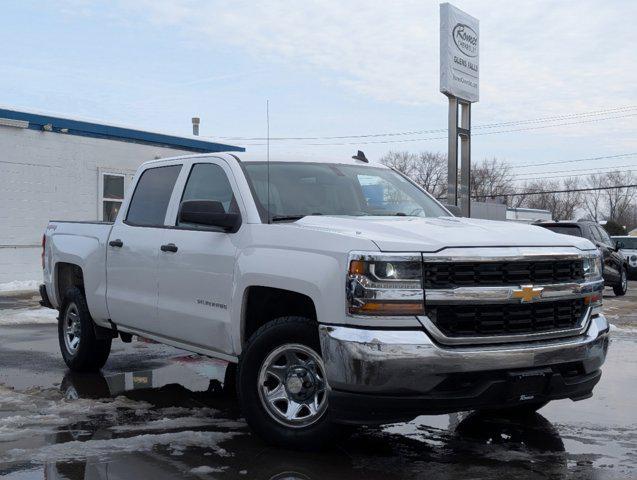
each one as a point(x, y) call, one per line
point(459, 49)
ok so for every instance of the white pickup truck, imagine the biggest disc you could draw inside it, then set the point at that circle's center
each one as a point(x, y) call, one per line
point(344, 293)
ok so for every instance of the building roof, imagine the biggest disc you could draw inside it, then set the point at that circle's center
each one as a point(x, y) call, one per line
point(68, 126)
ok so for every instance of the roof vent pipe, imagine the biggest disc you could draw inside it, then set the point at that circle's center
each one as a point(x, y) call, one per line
point(195, 125)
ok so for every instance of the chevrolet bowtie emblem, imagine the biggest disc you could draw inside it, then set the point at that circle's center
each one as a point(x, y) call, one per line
point(527, 293)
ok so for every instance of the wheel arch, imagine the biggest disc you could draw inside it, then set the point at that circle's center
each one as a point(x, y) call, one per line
point(263, 304)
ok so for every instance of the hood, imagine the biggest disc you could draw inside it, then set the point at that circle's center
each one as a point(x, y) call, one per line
point(417, 234)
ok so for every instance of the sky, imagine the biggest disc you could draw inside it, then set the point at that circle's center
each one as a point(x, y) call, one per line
point(561, 76)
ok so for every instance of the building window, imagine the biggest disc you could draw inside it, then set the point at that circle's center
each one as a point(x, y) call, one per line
point(112, 195)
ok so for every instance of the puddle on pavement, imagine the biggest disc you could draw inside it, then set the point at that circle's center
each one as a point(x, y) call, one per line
point(176, 421)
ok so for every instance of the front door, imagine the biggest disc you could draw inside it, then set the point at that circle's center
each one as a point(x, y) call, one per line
point(611, 264)
point(133, 251)
point(196, 273)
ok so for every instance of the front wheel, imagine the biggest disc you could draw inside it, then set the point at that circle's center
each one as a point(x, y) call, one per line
point(282, 385)
point(622, 287)
point(81, 350)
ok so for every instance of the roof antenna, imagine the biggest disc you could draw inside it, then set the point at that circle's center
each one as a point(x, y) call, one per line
point(267, 116)
point(360, 156)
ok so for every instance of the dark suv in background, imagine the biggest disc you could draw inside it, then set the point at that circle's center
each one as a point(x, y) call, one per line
point(615, 268)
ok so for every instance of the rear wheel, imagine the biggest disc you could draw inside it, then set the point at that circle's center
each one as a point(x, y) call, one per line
point(81, 350)
point(282, 385)
point(517, 411)
point(622, 287)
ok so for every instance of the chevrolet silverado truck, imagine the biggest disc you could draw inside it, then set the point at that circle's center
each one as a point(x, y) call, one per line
point(342, 291)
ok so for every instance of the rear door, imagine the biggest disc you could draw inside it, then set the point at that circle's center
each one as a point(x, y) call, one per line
point(133, 250)
point(196, 276)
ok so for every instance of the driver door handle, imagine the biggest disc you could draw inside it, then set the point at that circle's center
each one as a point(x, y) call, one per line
point(116, 243)
point(169, 247)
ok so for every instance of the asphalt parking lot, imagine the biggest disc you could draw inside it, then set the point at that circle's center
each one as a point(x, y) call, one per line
point(158, 412)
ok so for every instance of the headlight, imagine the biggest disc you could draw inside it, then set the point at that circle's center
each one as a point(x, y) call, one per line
point(633, 258)
point(592, 266)
point(380, 284)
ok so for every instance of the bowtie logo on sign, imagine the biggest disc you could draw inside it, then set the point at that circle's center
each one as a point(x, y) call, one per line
point(466, 39)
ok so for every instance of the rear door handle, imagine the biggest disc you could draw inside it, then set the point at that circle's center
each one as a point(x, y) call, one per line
point(170, 247)
point(116, 243)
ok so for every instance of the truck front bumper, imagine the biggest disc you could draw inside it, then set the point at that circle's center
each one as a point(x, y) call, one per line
point(384, 376)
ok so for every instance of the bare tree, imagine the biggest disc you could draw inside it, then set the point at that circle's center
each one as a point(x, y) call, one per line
point(402, 161)
point(491, 179)
point(619, 200)
point(430, 172)
point(546, 195)
point(427, 169)
point(593, 200)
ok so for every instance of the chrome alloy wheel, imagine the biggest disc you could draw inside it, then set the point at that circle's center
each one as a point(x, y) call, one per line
point(292, 385)
point(72, 329)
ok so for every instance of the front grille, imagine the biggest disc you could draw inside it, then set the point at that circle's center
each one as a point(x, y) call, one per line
point(492, 274)
point(506, 319)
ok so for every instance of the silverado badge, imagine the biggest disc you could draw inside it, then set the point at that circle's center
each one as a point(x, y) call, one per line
point(527, 293)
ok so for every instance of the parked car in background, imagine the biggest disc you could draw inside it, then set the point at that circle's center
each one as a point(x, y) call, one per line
point(627, 246)
point(615, 267)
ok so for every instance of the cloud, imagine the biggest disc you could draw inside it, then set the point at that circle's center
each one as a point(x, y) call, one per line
point(550, 56)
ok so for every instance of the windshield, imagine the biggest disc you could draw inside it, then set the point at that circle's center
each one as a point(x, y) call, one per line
point(629, 243)
point(299, 189)
point(573, 230)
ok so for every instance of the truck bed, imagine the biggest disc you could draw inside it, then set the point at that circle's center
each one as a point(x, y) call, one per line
point(81, 243)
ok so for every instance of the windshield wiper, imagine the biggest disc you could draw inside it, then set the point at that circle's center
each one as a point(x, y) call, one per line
point(292, 218)
point(286, 218)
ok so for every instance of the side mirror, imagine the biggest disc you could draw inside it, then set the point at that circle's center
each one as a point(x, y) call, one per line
point(208, 213)
point(454, 209)
point(619, 245)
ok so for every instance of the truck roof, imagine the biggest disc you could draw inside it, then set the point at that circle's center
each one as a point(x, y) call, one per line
point(247, 158)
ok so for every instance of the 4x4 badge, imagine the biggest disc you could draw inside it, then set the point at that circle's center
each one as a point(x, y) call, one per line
point(527, 293)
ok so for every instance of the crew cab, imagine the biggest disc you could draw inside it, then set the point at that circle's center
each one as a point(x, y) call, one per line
point(343, 292)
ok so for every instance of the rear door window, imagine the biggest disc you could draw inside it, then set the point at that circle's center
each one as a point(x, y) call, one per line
point(152, 195)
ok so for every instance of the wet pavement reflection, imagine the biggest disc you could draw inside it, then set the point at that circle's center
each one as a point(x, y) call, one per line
point(176, 421)
point(158, 413)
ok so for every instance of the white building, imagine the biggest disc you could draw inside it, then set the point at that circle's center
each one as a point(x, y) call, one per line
point(528, 215)
point(60, 168)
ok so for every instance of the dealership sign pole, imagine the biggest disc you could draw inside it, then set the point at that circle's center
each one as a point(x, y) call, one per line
point(459, 48)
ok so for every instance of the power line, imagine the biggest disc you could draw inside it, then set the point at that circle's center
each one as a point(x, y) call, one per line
point(606, 157)
point(551, 118)
point(594, 172)
point(517, 194)
point(539, 127)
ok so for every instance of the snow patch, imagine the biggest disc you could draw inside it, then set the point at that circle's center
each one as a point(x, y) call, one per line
point(20, 286)
point(204, 469)
point(167, 424)
point(27, 316)
point(104, 448)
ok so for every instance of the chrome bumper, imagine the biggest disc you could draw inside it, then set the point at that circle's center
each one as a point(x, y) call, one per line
point(409, 362)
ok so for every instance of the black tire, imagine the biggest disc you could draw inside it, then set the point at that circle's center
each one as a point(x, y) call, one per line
point(523, 410)
point(279, 332)
point(91, 353)
point(622, 287)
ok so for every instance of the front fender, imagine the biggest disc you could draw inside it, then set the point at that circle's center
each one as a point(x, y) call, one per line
point(320, 276)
